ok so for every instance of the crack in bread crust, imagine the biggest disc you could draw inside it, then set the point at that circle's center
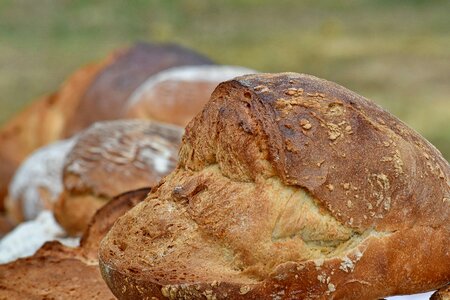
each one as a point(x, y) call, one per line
point(282, 225)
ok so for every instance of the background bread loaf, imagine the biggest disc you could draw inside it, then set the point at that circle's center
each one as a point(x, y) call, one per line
point(106, 97)
point(60, 272)
point(288, 186)
point(110, 158)
point(178, 94)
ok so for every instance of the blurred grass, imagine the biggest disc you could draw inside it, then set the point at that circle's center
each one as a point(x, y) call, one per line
point(396, 53)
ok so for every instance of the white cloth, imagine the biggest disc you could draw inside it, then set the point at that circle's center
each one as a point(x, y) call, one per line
point(29, 236)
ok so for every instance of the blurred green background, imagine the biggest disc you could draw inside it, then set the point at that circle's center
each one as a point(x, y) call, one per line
point(396, 53)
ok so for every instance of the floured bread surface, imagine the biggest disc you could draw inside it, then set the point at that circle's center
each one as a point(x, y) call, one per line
point(111, 158)
point(60, 272)
point(38, 182)
point(288, 186)
point(178, 94)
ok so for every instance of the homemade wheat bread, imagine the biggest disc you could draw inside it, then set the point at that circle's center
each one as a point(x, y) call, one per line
point(110, 158)
point(59, 272)
point(107, 96)
point(178, 94)
point(288, 187)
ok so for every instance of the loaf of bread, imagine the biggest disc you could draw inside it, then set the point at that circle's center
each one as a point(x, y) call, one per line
point(110, 158)
point(42, 122)
point(178, 94)
point(107, 96)
point(37, 183)
point(442, 294)
point(60, 272)
point(288, 187)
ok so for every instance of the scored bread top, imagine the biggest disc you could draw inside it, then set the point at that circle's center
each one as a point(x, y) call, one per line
point(288, 186)
point(112, 157)
point(361, 163)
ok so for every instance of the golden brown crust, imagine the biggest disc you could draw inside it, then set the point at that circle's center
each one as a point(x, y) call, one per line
point(60, 272)
point(110, 158)
point(106, 97)
point(105, 217)
point(442, 294)
point(288, 186)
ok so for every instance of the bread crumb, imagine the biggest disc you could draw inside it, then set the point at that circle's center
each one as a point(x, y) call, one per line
point(346, 186)
point(305, 124)
point(294, 92)
point(261, 88)
point(244, 289)
point(318, 263)
point(347, 265)
point(331, 287)
point(349, 204)
point(333, 131)
point(330, 187)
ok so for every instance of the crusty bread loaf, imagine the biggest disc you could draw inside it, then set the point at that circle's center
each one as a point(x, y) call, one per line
point(59, 272)
point(37, 183)
point(442, 294)
point(106, 97)
point(110, 158)
point(288, 187)
point(178, 94)
point(42, 122)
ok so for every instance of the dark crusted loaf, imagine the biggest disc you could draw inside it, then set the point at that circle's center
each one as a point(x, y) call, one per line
point(288, 187)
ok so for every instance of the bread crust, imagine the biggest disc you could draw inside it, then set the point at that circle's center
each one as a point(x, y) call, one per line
point(60, 272)
point(371, 218)
point(110, 158)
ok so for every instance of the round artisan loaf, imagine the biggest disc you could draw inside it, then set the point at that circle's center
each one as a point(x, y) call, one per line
point(37, 183)
point(110, 158)
point(178, 94)
point(288, 186)
point(106, 98)
point(59, 272)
